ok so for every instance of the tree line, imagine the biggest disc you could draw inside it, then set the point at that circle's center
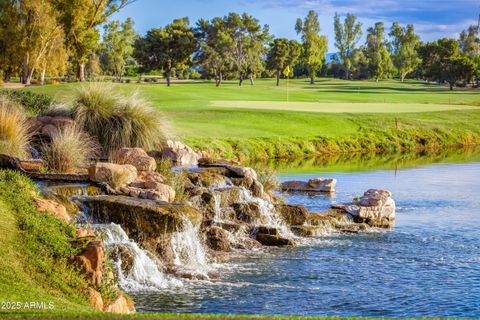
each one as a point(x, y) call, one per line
point(62, 38)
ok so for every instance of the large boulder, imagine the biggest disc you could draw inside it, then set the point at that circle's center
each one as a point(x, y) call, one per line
point(180, 153)
point(149, 223)
point(375, 208)
point(54, 208)
point(136, 157)
point(207, 177)
point(273, 240)
point(217, 239)
point(94, 298)
point(292, 214)
point(115, 175)
point(242, 172)
point(312, 185)
point(91, 262)
point(140, 218)
point(248, 212)
point(121, 305)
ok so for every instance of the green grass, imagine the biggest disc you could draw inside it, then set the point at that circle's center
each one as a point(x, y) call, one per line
point(330, 116)
point(34, 248)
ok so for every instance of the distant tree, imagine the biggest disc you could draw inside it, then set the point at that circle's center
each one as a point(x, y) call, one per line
point(80, 19)
point(11, 38)
point(469, 42)
point(168, 49)
point(247, 41)
point(379, 62)
point(442, 61)
point(470, 45)
point(404, 49)
point(314, 45)
point(39, 31)
point(213, 48)
point(346, 38)
point(118, 41)
point(282, 53)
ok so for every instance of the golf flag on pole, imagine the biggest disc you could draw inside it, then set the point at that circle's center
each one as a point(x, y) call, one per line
point(286, 72)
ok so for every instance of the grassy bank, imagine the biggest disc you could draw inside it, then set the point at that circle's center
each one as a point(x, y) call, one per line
point(329, 117)
point(34, 248)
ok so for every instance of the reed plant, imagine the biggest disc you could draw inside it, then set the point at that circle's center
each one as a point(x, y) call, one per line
point(116, 121)
point(69, 150)
point(14, 129)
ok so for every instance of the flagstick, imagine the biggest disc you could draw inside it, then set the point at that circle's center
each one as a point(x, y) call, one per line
point(287, 90)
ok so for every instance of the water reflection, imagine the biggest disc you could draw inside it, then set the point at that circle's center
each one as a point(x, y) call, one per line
point(372, 161)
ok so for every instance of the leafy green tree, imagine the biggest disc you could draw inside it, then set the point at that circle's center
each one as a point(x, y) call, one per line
point(442, 61)
point(40, 31)
point(80, 19)
point(379, 62)
point(469, 42)
point(314, 45)
point(247, 41)
point(118, 41)
point(346, 38)
point(470, 46)
point(11, 38)
point(168, 49)
point(213, 48)
point(404, 49)
point(283, 54)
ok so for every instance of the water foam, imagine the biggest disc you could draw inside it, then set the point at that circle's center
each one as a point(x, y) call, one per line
point(145, 273)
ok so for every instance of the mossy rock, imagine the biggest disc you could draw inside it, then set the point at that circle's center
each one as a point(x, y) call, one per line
point(207, 177)
point(272, 240)
point(309, 231)
point(141, 218)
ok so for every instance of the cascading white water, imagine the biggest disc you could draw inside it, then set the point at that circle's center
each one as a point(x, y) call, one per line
point(145, 273)
point(190, 255)
point(270, 217)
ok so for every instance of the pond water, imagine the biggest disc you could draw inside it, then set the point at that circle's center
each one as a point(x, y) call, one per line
point(427, 266)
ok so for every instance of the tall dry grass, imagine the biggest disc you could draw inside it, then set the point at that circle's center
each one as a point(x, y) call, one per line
point(14, 130)
point(116, 121)
point(69, 150)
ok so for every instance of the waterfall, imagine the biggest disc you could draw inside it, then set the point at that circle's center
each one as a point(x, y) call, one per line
point(190, 256)
point(143, 272)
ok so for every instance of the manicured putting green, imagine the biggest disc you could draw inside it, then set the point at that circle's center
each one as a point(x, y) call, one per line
point(339, 107)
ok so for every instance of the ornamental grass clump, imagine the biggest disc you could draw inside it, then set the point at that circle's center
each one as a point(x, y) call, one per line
point(14, 130)
point(69, 150)
point(116, 121)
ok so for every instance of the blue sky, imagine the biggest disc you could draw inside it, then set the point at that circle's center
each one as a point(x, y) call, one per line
point(432, 18)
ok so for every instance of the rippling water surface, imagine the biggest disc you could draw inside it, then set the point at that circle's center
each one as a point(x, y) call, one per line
point(428, 265)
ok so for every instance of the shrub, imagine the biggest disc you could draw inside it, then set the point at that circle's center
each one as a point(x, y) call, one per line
point(14, 130)
point(58, 110)
point(175, 179)
point(268, 178)
point(34, 103)
point(115, 120)
point(69, 150)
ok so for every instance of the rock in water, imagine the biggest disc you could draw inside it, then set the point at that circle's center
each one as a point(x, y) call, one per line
point(138, 158)
point(217, 239)
point(312, 185)
point(249, 212)
point(295, 215)
point(272, 240)
point(375, 208)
